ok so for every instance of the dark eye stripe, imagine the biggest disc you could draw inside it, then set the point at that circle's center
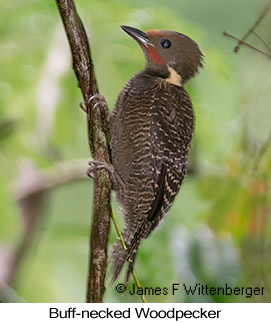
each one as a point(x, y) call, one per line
point(165, 43)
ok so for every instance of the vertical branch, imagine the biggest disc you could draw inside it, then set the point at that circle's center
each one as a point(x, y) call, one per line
point(98, 133)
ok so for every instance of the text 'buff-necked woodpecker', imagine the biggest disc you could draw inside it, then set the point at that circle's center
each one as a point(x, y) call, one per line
point(151, 131)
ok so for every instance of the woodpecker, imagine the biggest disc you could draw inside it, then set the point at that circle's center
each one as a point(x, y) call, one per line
point(151, 131)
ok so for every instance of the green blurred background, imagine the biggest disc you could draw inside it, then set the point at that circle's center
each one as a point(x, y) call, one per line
point(218, 230)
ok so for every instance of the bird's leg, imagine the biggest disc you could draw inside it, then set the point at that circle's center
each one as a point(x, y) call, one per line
point(116, 180)
point(98, 101)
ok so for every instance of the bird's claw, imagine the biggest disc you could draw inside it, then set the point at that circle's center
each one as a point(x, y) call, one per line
point(97, 97)
point(83, 107)
point(96, 165)
point(97, 100)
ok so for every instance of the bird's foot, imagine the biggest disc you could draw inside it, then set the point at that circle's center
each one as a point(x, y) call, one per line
point(116, 180)
point(96, 165)
point(97, 101)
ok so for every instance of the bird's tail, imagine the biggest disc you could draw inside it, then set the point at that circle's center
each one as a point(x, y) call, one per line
point(132, 238)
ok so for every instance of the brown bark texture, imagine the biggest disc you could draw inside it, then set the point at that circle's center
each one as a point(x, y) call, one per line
point(98, 135)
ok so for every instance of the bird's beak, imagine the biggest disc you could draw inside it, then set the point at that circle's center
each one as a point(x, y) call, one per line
point(138, 35)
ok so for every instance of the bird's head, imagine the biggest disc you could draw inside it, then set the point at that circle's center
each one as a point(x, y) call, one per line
point(169, 54)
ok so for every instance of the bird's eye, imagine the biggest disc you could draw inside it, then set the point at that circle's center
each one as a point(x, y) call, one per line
point(165, 43)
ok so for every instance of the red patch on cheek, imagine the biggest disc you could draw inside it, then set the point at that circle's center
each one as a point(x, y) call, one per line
point(155, 55)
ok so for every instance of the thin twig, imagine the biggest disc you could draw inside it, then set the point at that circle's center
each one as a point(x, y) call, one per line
point(137, 282)
point(263, 41)
point(246, 44)
point(251, 30)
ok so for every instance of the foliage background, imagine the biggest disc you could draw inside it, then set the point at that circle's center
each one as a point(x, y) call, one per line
point(218, 230)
